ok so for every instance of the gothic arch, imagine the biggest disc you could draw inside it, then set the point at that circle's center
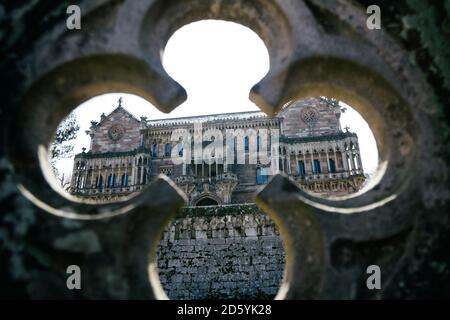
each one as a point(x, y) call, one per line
point(208, 199)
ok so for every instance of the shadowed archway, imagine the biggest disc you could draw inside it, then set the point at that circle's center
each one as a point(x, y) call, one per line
point(206, 202)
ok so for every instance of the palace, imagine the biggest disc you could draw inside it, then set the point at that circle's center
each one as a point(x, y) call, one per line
point(126, 153)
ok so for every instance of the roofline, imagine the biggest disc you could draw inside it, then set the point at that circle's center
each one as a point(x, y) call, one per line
point(328, 137)
point(118, 107)
point(127, 111)
point(205, 115)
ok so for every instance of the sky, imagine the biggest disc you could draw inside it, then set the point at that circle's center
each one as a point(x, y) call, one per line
point(217, 62)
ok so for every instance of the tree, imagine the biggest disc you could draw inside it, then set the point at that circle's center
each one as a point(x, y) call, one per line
point(62, 146)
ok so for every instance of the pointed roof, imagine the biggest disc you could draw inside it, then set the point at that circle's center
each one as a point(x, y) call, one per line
point(118, 108)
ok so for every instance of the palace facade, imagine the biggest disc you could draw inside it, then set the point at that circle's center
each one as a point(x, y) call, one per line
point(126, 153)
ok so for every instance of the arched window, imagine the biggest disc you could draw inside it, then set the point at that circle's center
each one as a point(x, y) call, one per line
point(144, 177)
point(260, 177)
point(301, 169)
point(108, 184)
point(355, 161)
point(180, 152)
point(317, 166)
point(332, 165)
point(113, 181)
point(154, 150)
point(349, 163)
point(138, 176)
point(246, 144)
point(258, 143)
point(122, 181)
point(100, 182)
point(167, 150)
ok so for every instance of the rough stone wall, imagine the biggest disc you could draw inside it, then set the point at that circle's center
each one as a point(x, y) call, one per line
point(130, 139)
point(221, 252)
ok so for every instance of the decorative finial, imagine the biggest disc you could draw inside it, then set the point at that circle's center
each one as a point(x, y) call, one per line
point(346, 128)
point(84, 149)
point(120, 101)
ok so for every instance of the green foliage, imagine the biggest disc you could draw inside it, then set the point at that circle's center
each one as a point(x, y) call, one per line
point(434, 29)
point(66, 132)
point(220, 210)
point(62, 146)
point(433, 24)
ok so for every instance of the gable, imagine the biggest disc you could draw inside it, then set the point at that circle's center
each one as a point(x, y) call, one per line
point(310, 117)
point(117, 132)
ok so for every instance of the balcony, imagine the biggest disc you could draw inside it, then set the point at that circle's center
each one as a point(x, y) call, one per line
point(105, 190)
point(328, 176)
point(222, 185)
point(191, 179)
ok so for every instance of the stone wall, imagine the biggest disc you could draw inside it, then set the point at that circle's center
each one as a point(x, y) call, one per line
point(232, 251)
point(131, 136)
point(326, 123)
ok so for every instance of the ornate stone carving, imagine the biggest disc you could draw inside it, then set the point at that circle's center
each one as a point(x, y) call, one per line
point(309, 115)
point(116, 132)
